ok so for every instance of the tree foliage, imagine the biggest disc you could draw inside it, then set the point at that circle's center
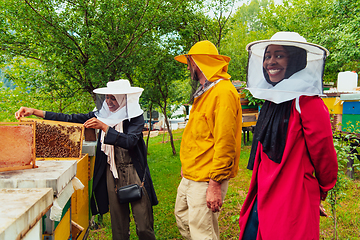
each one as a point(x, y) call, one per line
point(85, 42)
point(333, 24)
point(342, 37)
point(57, 52)
point(209, 21)
point(245, 27)
point(26, 90)
point(163, 81)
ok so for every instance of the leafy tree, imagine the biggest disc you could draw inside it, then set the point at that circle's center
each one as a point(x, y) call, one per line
point(209, 22)
point(87, 43)
point(7, 109)
point(220, 12)
point(63, 97)
point(342, 37)
point(158, 72)
point(26, 90)
point(332, 24)
point(163, 80)
point(245, 27)
point(7, 83)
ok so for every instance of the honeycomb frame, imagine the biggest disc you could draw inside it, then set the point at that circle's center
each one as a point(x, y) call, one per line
point(57, 140)
point(32, 162)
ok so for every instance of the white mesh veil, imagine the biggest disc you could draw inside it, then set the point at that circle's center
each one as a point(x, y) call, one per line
point(307, 81)
point(126, 96)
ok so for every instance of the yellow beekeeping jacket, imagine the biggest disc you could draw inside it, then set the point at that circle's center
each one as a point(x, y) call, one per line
point(211, 142)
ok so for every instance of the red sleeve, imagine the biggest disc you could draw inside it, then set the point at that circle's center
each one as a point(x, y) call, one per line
point(319, 141)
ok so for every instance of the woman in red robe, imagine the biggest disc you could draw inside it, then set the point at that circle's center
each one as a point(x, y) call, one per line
point(292, 157)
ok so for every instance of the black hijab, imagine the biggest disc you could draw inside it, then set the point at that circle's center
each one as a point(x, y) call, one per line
point(271, 127)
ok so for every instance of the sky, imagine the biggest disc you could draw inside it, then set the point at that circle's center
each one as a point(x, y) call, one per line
point(238, 3)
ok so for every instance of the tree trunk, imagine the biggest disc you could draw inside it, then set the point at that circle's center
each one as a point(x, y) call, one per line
point(350, 167)
point(170, 132)
point(333, 196)
point(148, 137)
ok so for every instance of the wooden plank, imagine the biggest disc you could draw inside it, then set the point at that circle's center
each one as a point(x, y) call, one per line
point(80, 198)
point(248, 124)
point(4, 169)
point(249, 110)
point(249, 118)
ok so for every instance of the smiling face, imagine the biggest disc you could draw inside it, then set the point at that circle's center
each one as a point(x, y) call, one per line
point(275, 62)
point(111, 102)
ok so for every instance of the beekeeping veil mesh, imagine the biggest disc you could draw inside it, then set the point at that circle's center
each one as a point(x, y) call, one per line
point(126, 96)
point(304, 71)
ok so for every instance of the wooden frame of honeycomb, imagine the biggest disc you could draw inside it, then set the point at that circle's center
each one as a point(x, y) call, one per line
point(56, 139)
point(17, 146)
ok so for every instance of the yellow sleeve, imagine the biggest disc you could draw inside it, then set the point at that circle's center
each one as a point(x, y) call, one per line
point(227, 136)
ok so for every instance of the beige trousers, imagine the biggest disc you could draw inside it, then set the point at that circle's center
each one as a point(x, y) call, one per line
point(194, 219)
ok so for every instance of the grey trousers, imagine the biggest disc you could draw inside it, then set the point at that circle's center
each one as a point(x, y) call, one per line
point(120, 213)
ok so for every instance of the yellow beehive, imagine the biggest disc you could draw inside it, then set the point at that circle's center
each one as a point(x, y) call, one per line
point(80, 198)
point(334, 105)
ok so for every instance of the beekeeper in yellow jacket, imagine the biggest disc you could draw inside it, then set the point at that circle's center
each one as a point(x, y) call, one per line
point(211, 143)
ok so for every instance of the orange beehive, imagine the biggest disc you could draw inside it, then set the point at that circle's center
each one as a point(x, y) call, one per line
point(17, 146)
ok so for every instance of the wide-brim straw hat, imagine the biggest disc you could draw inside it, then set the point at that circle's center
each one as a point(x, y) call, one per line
point(121, 86)
point(288, 39)
point(202, 48)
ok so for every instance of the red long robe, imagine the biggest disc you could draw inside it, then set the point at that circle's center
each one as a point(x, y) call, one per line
point(289, 193)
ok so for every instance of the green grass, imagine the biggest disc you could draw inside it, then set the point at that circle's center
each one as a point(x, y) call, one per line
point(165, 171)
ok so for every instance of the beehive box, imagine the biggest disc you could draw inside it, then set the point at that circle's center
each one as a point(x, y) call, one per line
point(246, 108)
point(17, 146)
point(57, 140)
point(334, 105)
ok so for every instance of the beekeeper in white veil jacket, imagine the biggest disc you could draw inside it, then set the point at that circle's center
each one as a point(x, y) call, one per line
point(120, 156)
point(292, 155)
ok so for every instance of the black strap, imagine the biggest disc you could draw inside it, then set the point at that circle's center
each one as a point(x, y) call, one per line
point(142, 182)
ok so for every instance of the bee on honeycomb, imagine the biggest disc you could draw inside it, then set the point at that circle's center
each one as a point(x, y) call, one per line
point(54, 141)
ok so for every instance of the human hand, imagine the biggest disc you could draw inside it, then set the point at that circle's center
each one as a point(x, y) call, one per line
point(24, 112)
point(322, 211)
point(213, 196)
point(96, 124)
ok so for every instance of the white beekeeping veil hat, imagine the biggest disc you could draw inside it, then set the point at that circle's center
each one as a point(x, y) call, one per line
point(126, 96)
point(304, 72)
